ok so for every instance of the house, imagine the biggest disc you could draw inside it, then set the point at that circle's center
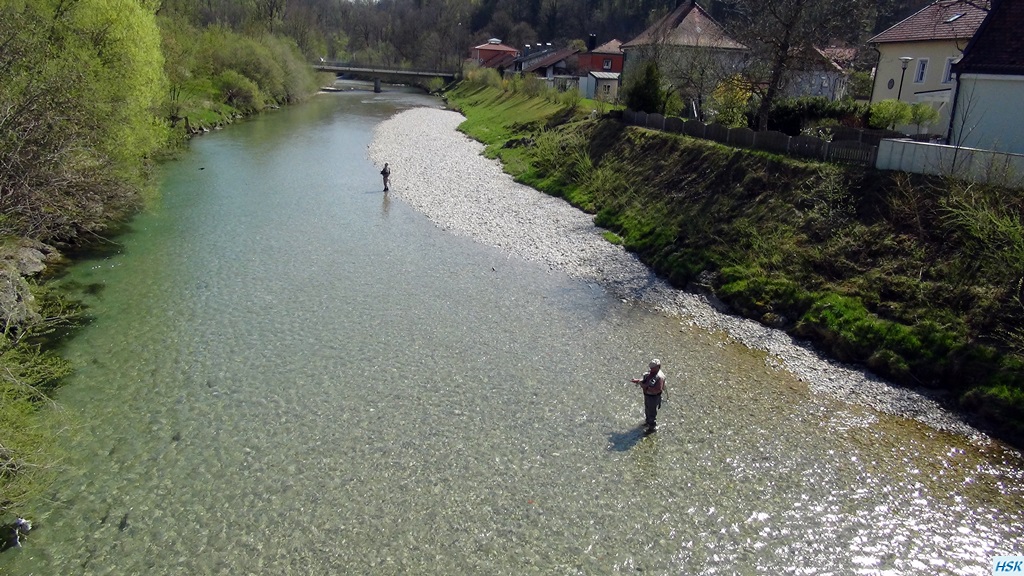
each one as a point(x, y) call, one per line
point(915, 56)
point(556, 66)
point(691, 49)
point(607, 57)
point(819, 72)
point(494, 54)
point(601, 70)
point(990, 83)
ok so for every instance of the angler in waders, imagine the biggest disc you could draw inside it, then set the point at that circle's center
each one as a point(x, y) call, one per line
point(652, 384)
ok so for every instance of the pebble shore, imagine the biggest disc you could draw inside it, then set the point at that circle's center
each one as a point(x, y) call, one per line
point(443, 174)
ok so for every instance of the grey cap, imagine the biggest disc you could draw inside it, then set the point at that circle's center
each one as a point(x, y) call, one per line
point(655, 363)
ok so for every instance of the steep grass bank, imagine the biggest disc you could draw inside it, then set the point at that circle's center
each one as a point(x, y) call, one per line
point(918, 279)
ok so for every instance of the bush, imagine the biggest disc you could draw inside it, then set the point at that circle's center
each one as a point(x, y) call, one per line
point(239, 91)
point(482, 77)
point(643, 91)
point(730, 102)
point(571, 98)
point(792, 115)
point(533, 86)
point(921, 114)
point(887, 114)
point(434, 85)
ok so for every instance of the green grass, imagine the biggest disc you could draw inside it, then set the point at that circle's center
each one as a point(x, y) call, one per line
point(28, 376)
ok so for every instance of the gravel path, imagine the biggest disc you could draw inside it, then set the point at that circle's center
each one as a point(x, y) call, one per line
point(442, 173)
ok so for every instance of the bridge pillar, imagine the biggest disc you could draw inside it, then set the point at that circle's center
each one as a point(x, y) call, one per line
point(376, 85)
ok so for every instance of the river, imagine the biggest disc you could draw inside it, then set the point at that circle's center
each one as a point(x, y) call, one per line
point(288, 372)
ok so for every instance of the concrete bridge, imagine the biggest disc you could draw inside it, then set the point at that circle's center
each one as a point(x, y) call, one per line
point(381, 72)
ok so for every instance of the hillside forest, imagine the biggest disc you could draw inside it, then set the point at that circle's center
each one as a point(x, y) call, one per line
point(437, 34)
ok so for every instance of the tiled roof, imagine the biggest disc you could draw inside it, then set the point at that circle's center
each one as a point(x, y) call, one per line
point(942, 20)
point(552, 58)
point(609, 47)
point(496, 47)
point(998, 47)
point(687, 25)
point(500, 60)
point(843, 56)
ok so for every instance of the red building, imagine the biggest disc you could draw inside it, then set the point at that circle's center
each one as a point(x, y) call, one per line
point(604, 58)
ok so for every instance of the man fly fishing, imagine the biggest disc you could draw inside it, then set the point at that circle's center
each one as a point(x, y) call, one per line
point(652, 384)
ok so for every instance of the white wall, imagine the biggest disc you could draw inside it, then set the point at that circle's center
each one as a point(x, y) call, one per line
point(983, 166)
point(989, 113)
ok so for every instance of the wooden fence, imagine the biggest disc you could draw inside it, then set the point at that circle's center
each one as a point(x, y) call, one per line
point(847, 144)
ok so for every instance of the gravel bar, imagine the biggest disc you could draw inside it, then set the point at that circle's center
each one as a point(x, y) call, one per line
point(443, 174)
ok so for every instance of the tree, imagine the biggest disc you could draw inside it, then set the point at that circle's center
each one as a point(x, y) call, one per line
point(729, 101)
point(644, 92)
point(779, 32)
point(889, 114)
point(922, 113)
point(81, 90)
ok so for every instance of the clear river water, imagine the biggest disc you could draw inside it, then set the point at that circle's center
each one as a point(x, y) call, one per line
point(288, 372)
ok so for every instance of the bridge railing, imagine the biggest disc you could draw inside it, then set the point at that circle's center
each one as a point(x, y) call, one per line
point(334, 65)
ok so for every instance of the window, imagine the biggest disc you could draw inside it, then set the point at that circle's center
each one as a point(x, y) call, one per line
point(607, 64)
point(947, 74)
point(607, 88)
point(922, 69)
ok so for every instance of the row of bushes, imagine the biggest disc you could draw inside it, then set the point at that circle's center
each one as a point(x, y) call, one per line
point(733, 104)
point(216, 73)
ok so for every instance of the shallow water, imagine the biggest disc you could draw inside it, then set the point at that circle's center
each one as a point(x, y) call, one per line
point(291, 373)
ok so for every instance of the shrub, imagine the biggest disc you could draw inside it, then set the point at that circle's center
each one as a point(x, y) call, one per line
point(889, 113)
point(792, 115)
point(533, 86)
point(643, 91)
point(239, 91)
point(571, 98)
point(730, 102)
point(434, 85)
point(921, 114)
point(482, 77)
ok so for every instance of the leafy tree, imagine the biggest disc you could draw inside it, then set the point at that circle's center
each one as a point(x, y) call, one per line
point(781, 32)
point(860, 85)
point(889, 114)
point(922, 113)
point(80, 84)
point(81, 87)
point(729, 101)
point(643, 91)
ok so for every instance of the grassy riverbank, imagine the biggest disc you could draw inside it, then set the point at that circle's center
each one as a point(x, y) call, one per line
point(917, 278)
